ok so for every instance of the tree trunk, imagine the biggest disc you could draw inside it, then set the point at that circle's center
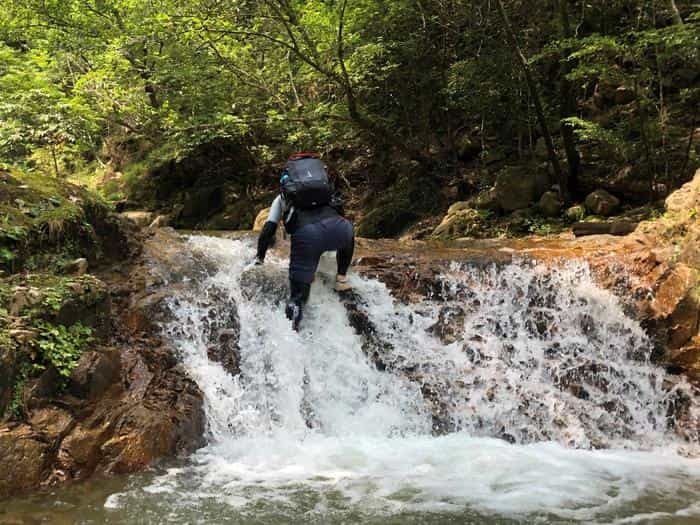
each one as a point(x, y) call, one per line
point(562, 179)
point(568, 108)
point(675, 13)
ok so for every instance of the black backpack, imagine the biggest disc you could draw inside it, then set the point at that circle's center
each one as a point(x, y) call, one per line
point(305, 183)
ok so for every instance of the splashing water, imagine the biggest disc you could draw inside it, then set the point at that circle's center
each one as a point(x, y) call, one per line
point(517, 393)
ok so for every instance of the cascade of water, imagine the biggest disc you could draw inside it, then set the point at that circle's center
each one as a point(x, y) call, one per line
point(526, 353)
point(531, 352)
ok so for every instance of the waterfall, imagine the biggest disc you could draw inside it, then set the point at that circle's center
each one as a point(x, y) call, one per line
point(519, 390)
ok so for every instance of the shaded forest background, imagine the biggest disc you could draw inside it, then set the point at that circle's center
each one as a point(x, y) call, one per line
point(189, 108)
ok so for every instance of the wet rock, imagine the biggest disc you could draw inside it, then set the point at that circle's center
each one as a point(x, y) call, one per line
point(94, 374)
point(146, 309)
point(372, 345)
point(226, 351)
point(602, 203)
point(125, 405)
point(449, 327)
point(265, 281)
point(24, 459)
point(550, 205)
point(687, 359)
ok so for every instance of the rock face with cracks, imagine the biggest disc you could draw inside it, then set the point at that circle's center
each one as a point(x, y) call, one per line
point(126, 404)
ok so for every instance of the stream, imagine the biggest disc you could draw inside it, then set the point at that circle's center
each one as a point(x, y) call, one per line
point(522, 394)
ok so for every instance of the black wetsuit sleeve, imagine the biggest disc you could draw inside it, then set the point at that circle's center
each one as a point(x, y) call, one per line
point(267, 236)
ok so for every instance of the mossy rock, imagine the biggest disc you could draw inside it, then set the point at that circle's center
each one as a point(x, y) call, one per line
point(465, 222)
point(47, 222)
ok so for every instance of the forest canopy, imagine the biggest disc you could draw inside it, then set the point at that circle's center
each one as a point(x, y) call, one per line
point(595, 86)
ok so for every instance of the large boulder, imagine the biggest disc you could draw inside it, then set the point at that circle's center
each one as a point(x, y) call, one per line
point(485, 200)
point(686, 198)
point(602, 203)
point(550, 205)
point(518, 188)
point(463, 223)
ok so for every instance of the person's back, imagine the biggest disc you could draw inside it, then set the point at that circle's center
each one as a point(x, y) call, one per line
point(312, 215)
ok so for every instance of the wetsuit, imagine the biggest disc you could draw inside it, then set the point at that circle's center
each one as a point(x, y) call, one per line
point(313, 232)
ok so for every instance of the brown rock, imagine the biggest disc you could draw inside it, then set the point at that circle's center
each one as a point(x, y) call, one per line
point(226, 351)
point(139, 218)
point(51, 422)
point(582, 229)
point(686, 198)
point(519, 188)
point(550, 205)
point(602, 203)
point(23, 458)
point(79, 452)
point(93, 374)
point(687, 359)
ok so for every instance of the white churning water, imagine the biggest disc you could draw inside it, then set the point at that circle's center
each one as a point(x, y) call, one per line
point(523, 390)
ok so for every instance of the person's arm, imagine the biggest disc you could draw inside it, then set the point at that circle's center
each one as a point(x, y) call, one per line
point(337, 203)
point(267, 235)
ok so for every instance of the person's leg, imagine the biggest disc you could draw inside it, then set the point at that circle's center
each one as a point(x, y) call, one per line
point(341, 238)
point(344, 256)
point(303, 261)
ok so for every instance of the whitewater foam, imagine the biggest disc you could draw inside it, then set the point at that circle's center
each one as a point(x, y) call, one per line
point(311, 418)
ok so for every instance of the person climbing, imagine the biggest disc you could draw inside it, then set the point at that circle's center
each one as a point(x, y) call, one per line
point(312, 213)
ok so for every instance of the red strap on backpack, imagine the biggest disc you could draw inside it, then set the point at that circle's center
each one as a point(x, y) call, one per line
point(305, 155)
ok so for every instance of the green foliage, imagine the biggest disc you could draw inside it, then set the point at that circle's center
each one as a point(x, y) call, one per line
point(16, 403)
point(116, 87)
point(591, 131)
point(61, 347)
